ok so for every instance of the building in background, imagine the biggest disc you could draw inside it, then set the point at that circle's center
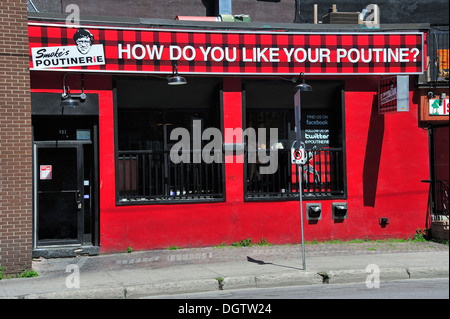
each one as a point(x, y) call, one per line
point(98, 173)
point(433, 116)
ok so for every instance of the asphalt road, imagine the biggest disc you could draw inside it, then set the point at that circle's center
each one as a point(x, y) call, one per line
point(401, 289)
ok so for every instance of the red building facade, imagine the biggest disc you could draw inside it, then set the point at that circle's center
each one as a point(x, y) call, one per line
point(107, 118)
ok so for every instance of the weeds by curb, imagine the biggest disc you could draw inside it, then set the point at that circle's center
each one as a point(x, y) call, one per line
point(24, 274)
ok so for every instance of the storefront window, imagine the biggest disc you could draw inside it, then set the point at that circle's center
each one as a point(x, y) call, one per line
point(147, 113)
point(270, 104)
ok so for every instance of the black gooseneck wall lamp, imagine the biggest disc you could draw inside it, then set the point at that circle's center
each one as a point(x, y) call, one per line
point(72, 100)
point(301, 84)
point(175, 78)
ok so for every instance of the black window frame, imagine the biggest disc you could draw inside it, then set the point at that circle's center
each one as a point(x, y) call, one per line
point(178, 197)
point(289, 195)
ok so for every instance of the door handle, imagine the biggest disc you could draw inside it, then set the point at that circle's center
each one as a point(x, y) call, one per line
point(78, 200)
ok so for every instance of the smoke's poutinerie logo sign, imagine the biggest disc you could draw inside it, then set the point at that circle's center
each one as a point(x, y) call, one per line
point(83, 53)
point(232, 52)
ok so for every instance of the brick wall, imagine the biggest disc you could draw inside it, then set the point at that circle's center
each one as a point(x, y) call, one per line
point(15, 139)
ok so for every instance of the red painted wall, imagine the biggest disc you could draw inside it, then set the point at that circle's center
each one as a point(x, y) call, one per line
point(387, 157)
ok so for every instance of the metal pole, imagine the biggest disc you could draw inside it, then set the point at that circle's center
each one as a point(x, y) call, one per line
point(301, 213)
point(301, 86)
point(297, 100)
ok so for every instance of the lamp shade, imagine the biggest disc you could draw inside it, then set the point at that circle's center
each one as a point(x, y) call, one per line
point(301, 84)
point(70, 102)
point(176, 80)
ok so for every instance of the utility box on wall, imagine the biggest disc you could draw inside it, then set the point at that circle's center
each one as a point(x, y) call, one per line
point(339, 210)
point(313, 211)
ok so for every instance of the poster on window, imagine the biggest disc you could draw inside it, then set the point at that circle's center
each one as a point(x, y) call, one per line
point(316, 129)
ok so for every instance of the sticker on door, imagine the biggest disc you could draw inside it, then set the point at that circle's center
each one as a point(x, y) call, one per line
point(45, 172)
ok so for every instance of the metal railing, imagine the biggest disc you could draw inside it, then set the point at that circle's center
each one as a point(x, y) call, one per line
point(151, 176)
point(439, 199)
point(322, 176)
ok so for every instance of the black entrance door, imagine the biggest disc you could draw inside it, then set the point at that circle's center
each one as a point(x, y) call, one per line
point(60, 205)
point(65, 176)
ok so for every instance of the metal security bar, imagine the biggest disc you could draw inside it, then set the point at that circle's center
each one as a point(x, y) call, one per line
point(151, 176)
point(322, 176)
point(439, 197)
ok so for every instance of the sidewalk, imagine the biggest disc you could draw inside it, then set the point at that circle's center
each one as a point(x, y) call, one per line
point(161, 272)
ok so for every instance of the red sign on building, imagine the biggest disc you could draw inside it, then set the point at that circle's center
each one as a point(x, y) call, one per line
point(94, 48)
point(393, 94)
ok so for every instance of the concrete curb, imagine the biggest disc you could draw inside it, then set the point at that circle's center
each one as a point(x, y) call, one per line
point(332, 277)
point(99, 293)
point(387, 274)
point(240, 282)
point(272, 280)
point(168, 288)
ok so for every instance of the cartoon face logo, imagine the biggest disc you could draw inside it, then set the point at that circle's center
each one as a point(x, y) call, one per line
point(84, 40)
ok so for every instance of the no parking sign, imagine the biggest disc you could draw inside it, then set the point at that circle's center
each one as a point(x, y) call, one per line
point(298, 156)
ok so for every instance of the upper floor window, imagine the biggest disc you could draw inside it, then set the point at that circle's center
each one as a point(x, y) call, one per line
point(437, 61)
